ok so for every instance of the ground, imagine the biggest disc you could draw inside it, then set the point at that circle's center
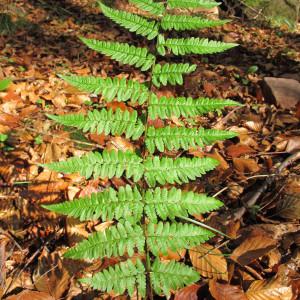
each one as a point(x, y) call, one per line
point(263, 235)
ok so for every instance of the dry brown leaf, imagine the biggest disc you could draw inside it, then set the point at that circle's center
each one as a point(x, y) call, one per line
point(255, 245)
point(226, 291)
point(188, 293)
point(239, 150)
point(245, 165)
point(269, 290)
point(31, 295)
point(209, 262)
point(9, 120)
point(289, 207)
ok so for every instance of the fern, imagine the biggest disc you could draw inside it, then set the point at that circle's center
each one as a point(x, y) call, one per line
point(118, 89)
point(108, 164)
point(174, 138)
point(187, 107)
point(192, 45)
point(170, 73)
point(182, 22)
point(180, 170)
point(132, 22)
point(105, 121)
point(192, 3)
point(144, 217)
point(122, 52)
point(155, 8)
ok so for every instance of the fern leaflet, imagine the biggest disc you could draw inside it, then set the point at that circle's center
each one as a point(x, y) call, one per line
point(170, 73)
point(179, 170)
point(192, 46)
point(183, 22)
point(174, 236)
point(111, 88)
point(122, 52)
point(124, 204)
point(155, 8)
point(174, 138)
point(108, 164)
point(167, 276)
point(114, 241)
point(121, 277)
point(132, 22)
point(187, 107)
point(192, 3)
point(164, 203)
point(105, 121)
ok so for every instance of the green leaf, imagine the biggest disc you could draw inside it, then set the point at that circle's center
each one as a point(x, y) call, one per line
point(183, 22)
point(179, 170)
point(169, 276)
point(164, 107)
point(114, 241)
point(4, 84)
point(121, 277)
point(111, 89)
point(105, 121)
point(163, 237)
point(171, 73)
point(155, 8)
point(132, 22)
point(106, 164)
point(3, 137)
point(122, 52)
point(175, 138)
point(192, 4)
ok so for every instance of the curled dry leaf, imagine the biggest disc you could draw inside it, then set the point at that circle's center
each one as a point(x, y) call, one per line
point(31, 295)
point(226, 291)
point(289, 207)
point(239, 150)
point(209, 262)
point(245, 165)
point(255, 245)
point(269, 290)
point(188, 293)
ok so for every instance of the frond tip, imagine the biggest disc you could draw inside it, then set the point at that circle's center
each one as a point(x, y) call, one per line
point(132, 22)
point(123, 53)
point(111, 89)
point(174, 138)
point(104, 121)
point(121, 277)
point(192, 4)
point(106, 164)
point(186, 107)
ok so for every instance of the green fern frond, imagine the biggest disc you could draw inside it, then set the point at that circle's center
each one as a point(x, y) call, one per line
point(112, 89)
point(114, 241)
point(164, 203)
point(174, 138)
point(171, 73)
point(192, 4)
point(174, 236)
point(132, 22)
point(192, 46)
point(106, 164)
point(126, 203)
point(179, 170)
point(104, 121)
point(187, 107)
point(183, 22)
point(167, 276)
point(154, 8)
point(121, 277)
point(122, 52)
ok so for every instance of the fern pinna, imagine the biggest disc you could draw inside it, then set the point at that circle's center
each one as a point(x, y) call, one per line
point(146, 216)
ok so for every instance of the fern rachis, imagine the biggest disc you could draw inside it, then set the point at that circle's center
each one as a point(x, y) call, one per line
point(144, 217)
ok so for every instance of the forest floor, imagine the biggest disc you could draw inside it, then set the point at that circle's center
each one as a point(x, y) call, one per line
point(263, 162)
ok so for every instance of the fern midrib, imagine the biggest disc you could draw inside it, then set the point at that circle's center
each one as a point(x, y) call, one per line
point(157, 168)
point(211, 45)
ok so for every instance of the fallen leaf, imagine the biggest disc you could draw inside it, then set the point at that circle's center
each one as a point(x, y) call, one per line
point(269, 290)
point(209, 262)
point(289, 207)
point(246, 165)
point(226, 291)
point(9, 120)
point(239, 150)
point(188, 293)
point(31, 295)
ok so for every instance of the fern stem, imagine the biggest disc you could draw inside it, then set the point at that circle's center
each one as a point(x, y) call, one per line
point(204, 226)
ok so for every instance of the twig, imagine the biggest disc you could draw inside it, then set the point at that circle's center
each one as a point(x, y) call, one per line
point(253, 199)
